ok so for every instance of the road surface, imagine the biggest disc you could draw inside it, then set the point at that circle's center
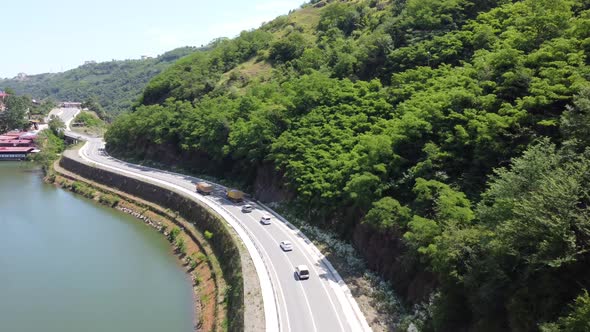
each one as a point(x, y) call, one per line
point(322, 303)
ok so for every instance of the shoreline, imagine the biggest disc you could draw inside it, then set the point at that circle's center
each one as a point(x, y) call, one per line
point(188, 246)
point(181, 263)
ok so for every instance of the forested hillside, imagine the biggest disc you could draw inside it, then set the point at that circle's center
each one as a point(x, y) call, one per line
point(447, 139)
point(115, 84)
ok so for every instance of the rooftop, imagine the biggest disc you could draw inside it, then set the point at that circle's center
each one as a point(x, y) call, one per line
point(14, 133)
point(16, 149)
point(15, 141)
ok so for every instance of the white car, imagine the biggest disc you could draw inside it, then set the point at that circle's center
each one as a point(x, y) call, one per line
point(247, 208)
point(286, 245)
point(302, 272)
point(265, 220)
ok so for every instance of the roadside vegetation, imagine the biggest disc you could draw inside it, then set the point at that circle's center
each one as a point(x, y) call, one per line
point(447, 140)
point(20, 109)
point(51, 144)
point(89, 123)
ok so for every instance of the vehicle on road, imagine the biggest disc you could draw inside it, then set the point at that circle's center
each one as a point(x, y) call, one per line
point(265, 220)
point(286, 245)
point(234, 195)
point(204, 188)
point(302, 272)
point(247, 208)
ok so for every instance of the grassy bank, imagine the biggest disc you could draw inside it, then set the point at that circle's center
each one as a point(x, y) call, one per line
point(51, 146)
point(88, 123)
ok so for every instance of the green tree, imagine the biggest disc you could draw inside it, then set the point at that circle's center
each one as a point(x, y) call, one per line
point(56, 125)
point(578, 320)
point(388, 214)
point(93, 104)
point(51, 147)
point(15, 115)
point(575, 121)
point(288, 48)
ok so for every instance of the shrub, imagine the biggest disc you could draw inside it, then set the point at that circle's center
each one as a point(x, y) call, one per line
point(200, 257)
point(192, 263)
point(109, 200)
point(82, 189)
point(173, 234)
point(198, 280)
point(181, 245)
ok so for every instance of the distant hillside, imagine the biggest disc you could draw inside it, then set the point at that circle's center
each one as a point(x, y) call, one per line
point(449, 140)
point(116, 84)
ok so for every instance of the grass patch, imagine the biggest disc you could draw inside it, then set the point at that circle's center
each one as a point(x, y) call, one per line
point(88, 123)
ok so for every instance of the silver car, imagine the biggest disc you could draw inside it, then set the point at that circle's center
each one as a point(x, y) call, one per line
point(247, 208)
point(302, 272)
point(286, 245)
point(265, 220)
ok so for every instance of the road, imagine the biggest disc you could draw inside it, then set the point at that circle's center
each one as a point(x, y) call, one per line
point(66, 114)
point(322, 303)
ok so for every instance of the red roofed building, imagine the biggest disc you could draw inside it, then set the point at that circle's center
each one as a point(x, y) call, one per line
point(29, 136)
point(15, 153)
point(16, 142)
point(14, 134)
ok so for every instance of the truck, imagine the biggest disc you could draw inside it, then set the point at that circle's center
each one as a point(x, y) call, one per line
point(234, 195)
point(204, 188)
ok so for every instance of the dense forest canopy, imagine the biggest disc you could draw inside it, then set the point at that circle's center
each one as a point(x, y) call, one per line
point(448, 139)
point(116, 85)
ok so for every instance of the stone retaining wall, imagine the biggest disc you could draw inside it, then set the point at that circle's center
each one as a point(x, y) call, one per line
point(222, 242)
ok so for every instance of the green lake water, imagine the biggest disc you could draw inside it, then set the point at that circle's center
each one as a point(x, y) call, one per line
point(68, 264)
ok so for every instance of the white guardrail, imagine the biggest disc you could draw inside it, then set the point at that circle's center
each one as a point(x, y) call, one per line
point(268, 293)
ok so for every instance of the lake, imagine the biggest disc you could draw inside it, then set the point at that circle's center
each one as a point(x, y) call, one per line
point(70, 264)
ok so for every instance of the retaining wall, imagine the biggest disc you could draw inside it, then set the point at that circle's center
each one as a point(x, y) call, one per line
point(222, 242)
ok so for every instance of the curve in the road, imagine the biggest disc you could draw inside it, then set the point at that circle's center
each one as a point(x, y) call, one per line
point(324, 300)
point(271, 315)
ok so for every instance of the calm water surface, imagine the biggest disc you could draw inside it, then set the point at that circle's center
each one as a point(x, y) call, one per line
point(68, 264)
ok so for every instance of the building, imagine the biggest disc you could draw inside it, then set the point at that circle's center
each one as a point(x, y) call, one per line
point(13, 134)
point(15, 153)
point(28, 135)
point(18, 135)
point(70, 104)
point(16, 143)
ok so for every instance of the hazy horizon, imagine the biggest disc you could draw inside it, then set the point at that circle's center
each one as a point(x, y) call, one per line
point(63, 34)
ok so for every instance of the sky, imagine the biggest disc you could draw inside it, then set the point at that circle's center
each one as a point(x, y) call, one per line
point(41, 36)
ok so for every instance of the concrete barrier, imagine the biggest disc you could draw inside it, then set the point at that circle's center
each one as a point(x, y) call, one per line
point(222, 242)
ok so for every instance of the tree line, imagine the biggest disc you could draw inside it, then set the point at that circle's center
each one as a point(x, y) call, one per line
point(115, 85)
point(447, 139)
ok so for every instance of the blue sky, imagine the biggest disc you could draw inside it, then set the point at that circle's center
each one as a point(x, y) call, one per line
point(50, 36)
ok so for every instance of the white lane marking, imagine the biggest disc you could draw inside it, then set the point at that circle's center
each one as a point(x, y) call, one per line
point(68, 121)
point(271, 312)
point(291, 264)
point(340, 290)
point(313, 265)
point(212, 199)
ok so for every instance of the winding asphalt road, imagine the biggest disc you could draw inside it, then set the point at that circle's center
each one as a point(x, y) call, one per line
point(321, 304)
